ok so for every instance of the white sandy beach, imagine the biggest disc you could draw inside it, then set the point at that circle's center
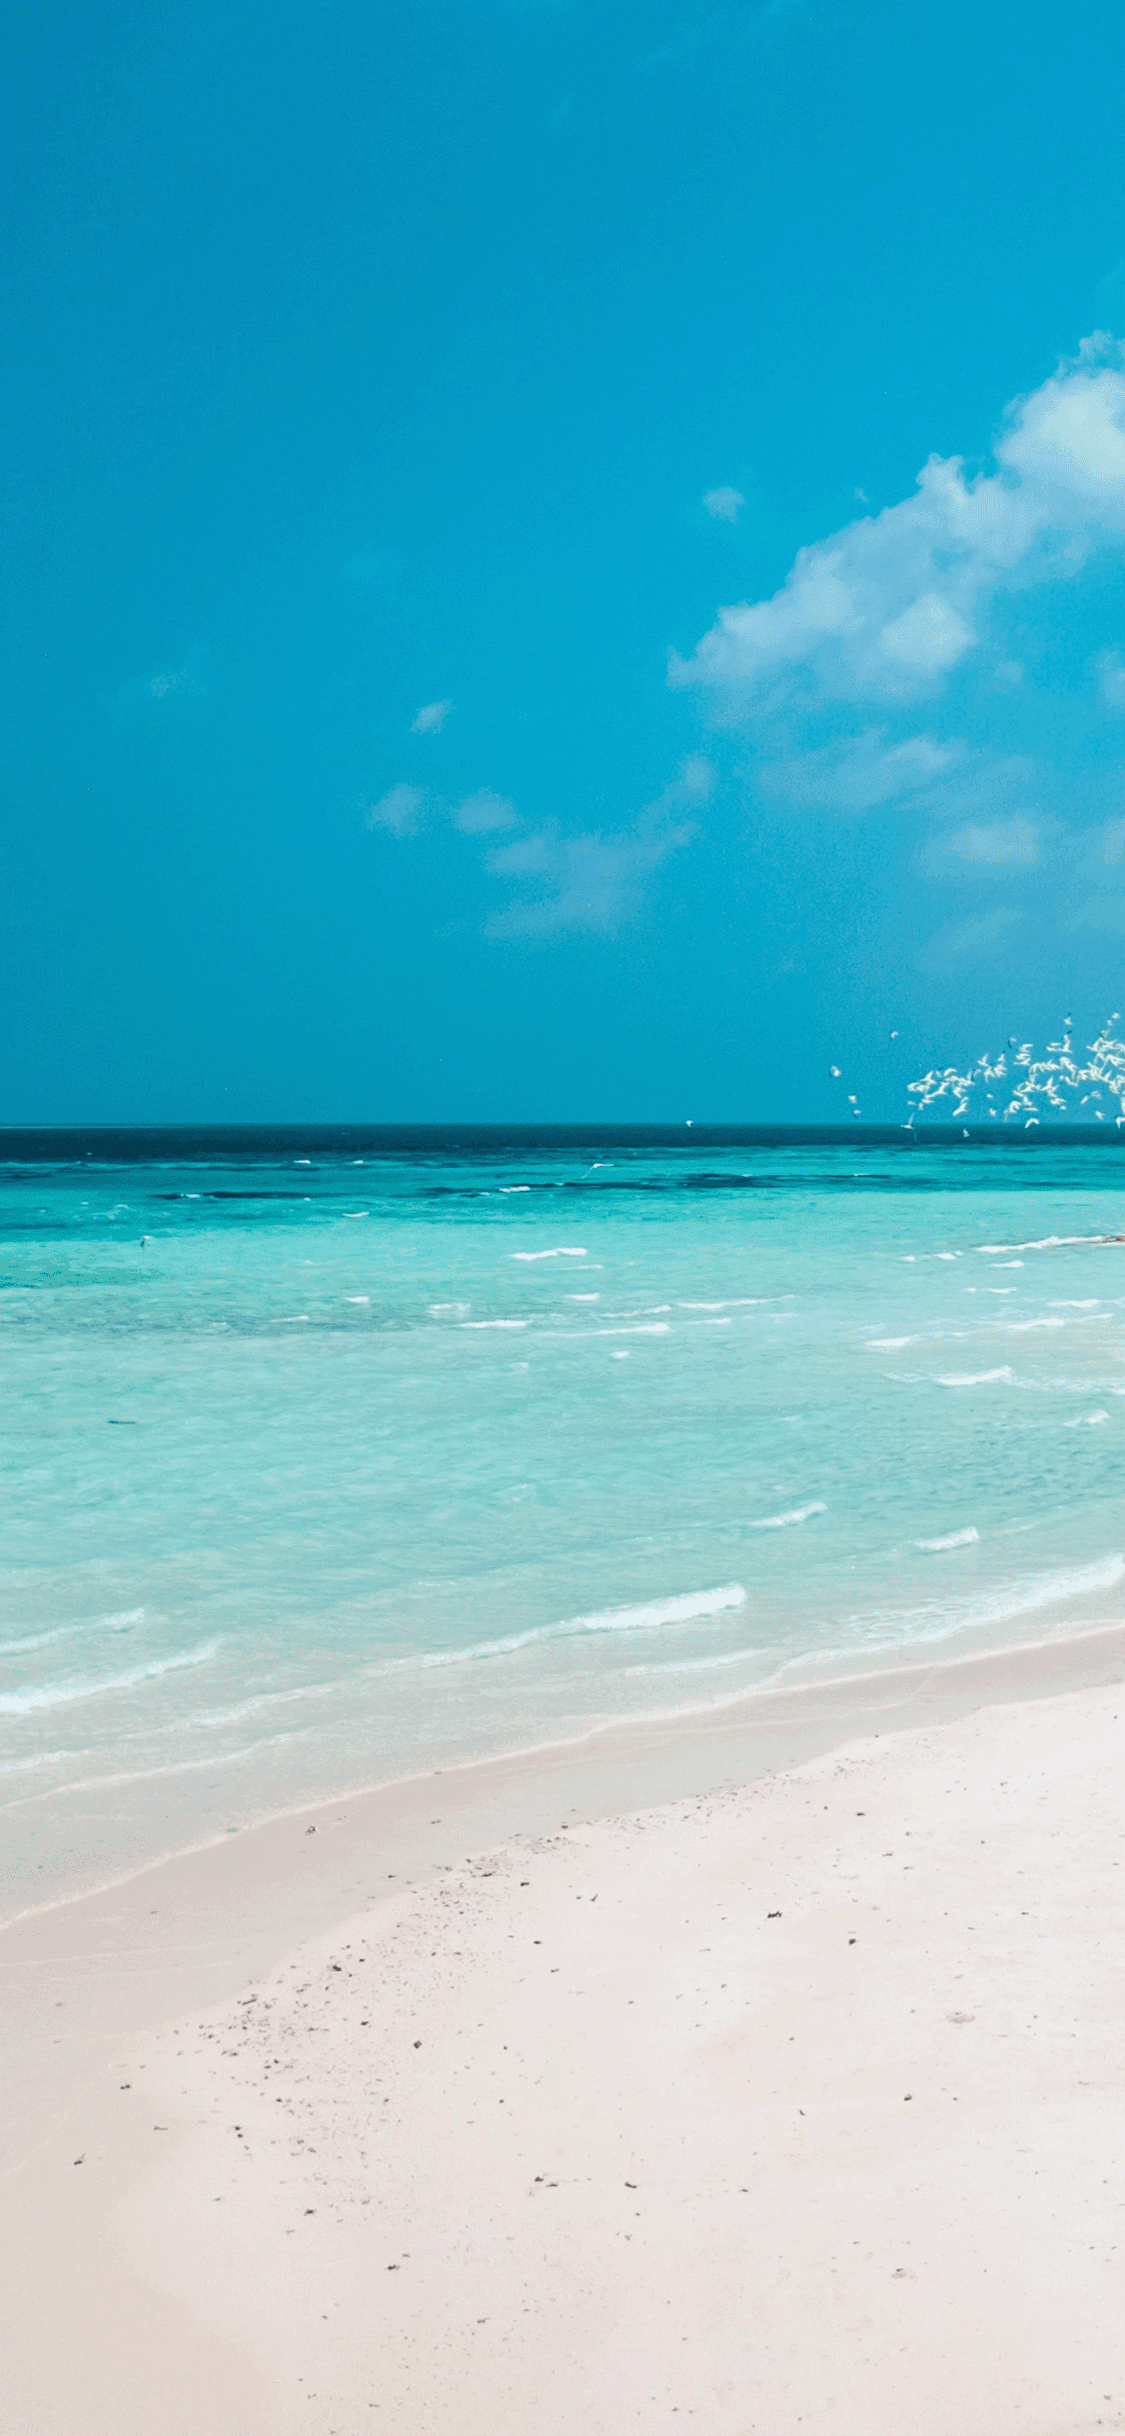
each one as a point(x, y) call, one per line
point(794, 2102)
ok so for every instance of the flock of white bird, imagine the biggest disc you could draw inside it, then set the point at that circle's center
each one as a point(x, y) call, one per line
point(1059, 1082)
point(1017, 1083)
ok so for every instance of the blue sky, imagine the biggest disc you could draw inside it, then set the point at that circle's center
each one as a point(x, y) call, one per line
point(476, 642)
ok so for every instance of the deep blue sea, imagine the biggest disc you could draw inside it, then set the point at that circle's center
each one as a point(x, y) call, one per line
point(333, 1454)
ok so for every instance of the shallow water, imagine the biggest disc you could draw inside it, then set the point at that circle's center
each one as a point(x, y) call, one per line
point(382, 1450)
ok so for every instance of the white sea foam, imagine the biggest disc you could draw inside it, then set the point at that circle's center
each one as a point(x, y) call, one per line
point(1043, 1590)
point(264, 1700)
point(561, 1251)
point(887, 1344)
point(64, 1632)
point(683, 1609)
point(494, 1323)
point(172, 1767)
point(737, 1302)
point(903, 1628)
point(696, 1666)
point(1086, 1421)
point(953, 1539)
point(781, 1522)
point(62, 1695)
point(973, 1378)
point(40, 1640)
point(35, 1759)
point(1043, 1243)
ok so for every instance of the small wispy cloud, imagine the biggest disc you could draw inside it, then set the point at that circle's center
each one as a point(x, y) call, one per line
point(168, 684)
point(400, 811)
point(1111, 669)
point(998, 842)
point(724, 503)
point(430, 720)
point(482, 813)
point(173, 681)
point(588, 882)
point(593, 881)
point(861, 772)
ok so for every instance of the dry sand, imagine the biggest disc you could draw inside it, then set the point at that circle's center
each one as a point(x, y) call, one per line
point(796, 2103)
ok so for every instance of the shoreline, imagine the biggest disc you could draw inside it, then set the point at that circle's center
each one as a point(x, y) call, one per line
point(1015, 1670)
point(151, 1975)
point(803, 1677)
point(240, 1901)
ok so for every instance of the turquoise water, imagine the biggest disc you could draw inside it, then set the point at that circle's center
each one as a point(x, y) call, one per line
point(330, 1458)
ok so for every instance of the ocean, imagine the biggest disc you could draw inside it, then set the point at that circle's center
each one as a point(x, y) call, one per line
point(331, 1455)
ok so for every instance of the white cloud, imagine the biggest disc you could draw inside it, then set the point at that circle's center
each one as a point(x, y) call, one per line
point(891, 605)
point(591, 881)
point(169, 684)
point(172, 681)
point(928, 637)
point(483, 812)
point(862, 771)
point(402, 810)
point(998, 842)
point(586, 882)
point(694, 784)
point(724, 503)
point(430, 720)
point(1111, 669)
point(399, 810)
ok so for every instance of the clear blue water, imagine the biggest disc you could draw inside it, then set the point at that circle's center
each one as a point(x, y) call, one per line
point(328, 1458)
